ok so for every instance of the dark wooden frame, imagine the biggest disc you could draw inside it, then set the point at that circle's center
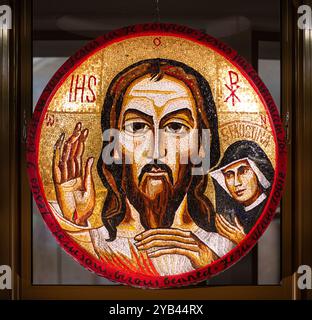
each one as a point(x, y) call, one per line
point(16, 215)
point(5, 206)
point(301, 134)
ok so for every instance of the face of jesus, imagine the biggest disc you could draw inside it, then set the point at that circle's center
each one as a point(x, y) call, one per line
point(157, 125)
point(242, 182)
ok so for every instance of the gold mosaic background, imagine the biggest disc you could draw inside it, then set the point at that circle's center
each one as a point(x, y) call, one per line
point(247, 120)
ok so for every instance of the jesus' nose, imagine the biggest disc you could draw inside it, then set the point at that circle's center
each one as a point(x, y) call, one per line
point(157, 147)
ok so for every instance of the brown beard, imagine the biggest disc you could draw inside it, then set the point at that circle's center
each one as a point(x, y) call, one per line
point(156, 205)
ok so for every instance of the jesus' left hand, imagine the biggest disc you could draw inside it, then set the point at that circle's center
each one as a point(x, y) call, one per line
point(158, 242)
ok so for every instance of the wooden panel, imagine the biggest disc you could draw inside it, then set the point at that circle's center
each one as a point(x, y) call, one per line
point(303, 154)
point(5, 164)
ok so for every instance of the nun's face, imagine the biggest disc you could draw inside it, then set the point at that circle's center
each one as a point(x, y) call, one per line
point(242, 182)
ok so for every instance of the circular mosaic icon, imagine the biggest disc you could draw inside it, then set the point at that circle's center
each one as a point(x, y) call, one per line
point(156, 156)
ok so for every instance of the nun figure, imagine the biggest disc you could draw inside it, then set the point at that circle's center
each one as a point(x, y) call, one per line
point(242, 183)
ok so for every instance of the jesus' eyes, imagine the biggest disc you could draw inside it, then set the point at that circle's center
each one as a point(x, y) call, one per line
point(136, 127)
point(140, 127)
point(176, 128)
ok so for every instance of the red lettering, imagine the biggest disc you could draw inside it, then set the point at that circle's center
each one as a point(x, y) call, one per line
point(90, 89)
point(233, 87)
point(71, 88)
point(263, 120)
point(82, 88)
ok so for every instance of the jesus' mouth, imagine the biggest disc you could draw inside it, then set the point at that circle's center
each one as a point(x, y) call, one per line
point(156, 171)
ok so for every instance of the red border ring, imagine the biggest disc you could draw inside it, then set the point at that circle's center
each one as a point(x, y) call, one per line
point(80, 254)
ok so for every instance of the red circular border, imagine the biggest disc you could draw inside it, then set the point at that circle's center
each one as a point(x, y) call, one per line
point(80, 254)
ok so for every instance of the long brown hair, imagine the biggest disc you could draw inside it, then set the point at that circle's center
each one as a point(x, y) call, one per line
point(199, 206)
